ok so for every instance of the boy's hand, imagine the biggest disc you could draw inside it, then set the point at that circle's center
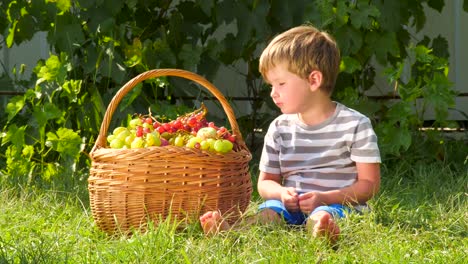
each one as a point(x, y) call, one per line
point(309, 201)
point(289, 197)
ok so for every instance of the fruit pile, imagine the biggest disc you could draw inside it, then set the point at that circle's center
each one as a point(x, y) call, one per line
point(191, 130)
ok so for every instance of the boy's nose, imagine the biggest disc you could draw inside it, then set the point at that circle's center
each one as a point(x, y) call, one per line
point(273, 93)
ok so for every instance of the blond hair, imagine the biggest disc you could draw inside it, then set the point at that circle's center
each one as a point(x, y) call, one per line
point(304, 49)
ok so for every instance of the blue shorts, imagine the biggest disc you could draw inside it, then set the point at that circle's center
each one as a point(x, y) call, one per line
point(300, 218)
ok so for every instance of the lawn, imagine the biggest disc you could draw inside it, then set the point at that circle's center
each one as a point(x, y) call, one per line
point(420, 216)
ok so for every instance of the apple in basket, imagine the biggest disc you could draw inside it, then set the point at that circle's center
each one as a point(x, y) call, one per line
point(207, 132)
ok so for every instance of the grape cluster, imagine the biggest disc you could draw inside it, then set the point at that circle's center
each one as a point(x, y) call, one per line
point(191, 130)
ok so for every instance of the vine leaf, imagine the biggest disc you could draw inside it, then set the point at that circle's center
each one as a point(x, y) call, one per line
point(15, 135)
point(362, 17)
point(64, 141)
point(14, 106)
point(349, 39)
point(385, 43)
point(349, 65)
point(436, 4)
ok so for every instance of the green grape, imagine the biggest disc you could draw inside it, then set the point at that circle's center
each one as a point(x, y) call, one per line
point(152, 139)
point(179, 141)
point(129, 139)
point(138, 142)
point(135, 122)
point(205, 145)
point(192, 141)
point(123, 134)
point(223, 146)
point(110, 138)
point(166, 135)
point(117, 143)
point(117, 130)
point(211, 142)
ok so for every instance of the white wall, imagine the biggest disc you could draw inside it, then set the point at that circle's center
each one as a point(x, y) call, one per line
point(28, 53)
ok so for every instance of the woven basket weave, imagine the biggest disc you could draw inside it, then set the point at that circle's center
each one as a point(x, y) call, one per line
point(130, 187)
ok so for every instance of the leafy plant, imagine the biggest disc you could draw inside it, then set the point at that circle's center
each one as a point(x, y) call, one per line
point(96, 46)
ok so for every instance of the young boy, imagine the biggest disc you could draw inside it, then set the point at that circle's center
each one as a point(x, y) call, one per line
point(320, 159)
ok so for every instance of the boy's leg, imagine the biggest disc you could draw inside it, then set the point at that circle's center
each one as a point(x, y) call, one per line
point(321, 221)
point(212, 223)
point(321, 224)
point(270, 212)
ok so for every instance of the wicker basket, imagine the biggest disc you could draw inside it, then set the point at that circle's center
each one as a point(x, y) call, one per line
point(130, 187)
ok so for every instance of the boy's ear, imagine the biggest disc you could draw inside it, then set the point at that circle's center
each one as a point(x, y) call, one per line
point(315, 80)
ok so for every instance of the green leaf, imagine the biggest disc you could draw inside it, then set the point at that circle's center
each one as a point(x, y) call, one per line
point(399, 112)
point(11, 34)
point(251, 22)
point(25, 28)
point(288, 13)
point(130, 97)
point(440, 47)
point(436, 4)
point(224, 11)
point(63, 5)
point(133, 53)
point(349, 39)
point(349, 65)
point(364, 14)
point(383, 43)
point(206, 6)
point(53, 70)
point(439, 95)
point(163, 52)
point(326, 12)
point(13, 107)
point(67, 35)
point(190, 56)
point(393, 74)
point(391, 14)
point(14, 135)
point(423, 54)
point(46, 112)
point(71, 89)
point(65, 141)
point(50, 170)
point(341, 14)
point(410, 92)
point(465, 5)
point(27, 152)
point(393, 138)
point(114, 6)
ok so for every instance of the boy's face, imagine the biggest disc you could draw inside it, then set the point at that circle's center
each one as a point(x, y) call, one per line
point(291, 93)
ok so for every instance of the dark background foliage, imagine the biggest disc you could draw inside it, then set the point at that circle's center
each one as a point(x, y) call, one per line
point(98, 45)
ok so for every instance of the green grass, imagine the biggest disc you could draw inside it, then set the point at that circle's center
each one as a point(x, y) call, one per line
point(420, 216)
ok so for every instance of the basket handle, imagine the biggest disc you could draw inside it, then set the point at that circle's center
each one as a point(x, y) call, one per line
point(102, 137)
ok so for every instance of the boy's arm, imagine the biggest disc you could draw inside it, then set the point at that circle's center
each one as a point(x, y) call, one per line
point(270, 188)
point(365, 187)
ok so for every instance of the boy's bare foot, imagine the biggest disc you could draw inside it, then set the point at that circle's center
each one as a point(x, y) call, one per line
point(212, 223)
point(321, 224)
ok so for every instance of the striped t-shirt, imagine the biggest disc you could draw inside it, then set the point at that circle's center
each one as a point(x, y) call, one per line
point(321, 157)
